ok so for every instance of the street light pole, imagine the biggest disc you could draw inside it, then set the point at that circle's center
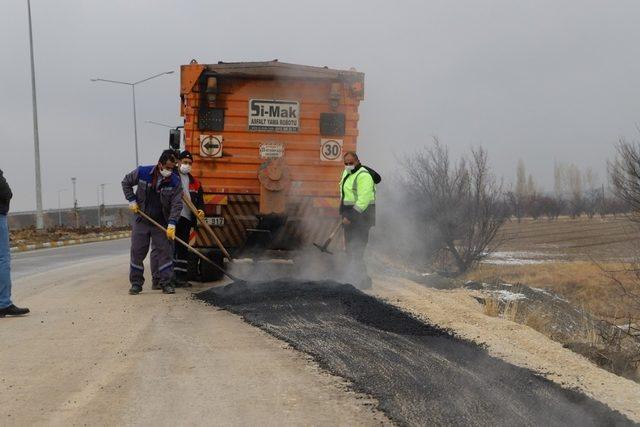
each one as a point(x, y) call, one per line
point(135, 122)
point(75, 203)
point(59, 208)
point(133, 92)
point(36, 139)
point(100, 191)
point(162, 124)
point(98, 204)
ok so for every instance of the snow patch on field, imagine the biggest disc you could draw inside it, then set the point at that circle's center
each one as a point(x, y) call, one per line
point(518, 258)
point(504, 295)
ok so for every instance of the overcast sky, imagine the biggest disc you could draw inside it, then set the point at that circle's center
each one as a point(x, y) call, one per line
point(539, 80)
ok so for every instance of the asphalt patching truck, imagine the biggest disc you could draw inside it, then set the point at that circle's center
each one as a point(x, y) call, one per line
point(267, 140)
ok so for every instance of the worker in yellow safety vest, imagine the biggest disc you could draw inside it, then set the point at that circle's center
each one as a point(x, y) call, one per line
point(357, 209)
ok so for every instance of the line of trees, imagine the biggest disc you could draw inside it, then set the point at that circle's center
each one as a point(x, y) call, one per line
point(575, 193)
point(448, 210)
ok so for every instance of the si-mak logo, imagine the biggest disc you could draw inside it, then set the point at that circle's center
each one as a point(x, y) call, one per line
point(274, 115)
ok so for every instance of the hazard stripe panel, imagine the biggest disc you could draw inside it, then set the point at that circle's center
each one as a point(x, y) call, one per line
point(216, 199)
point(309, 219)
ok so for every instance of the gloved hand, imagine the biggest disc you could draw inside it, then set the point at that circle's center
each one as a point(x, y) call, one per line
point(200, 214)
point(133, 206)
point(171, 232)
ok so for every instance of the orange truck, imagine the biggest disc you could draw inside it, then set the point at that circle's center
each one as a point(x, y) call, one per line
point(267, 140)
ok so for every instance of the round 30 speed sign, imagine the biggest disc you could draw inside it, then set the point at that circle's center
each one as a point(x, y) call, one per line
point(330, 150)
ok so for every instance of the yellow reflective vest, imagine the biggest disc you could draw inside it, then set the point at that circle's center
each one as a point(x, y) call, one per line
point(357, 189)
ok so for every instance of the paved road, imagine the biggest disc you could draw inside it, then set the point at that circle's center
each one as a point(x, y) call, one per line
point(90, 354)
point(43, 260)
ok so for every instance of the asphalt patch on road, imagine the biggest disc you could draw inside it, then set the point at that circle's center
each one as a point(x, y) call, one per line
point(419, 373)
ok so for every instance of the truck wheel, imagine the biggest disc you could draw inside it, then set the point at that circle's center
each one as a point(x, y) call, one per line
point(192, 267)
point(209, 273)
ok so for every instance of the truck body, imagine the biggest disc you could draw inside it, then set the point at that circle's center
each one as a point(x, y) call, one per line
point(267, 140)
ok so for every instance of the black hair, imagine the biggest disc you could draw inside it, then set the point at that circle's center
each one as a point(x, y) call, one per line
point(185, 155)
point(167, 155)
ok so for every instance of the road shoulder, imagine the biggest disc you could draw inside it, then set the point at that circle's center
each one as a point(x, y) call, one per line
point(91, 354)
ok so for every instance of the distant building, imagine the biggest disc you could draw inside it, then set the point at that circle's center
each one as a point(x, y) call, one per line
point(110, 216)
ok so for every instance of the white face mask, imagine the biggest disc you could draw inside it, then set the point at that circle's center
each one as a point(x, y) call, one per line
point(349, 168)
point(165, 172)
point(185, 169)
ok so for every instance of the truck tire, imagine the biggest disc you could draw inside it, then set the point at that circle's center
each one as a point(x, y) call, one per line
point(209, 273)
point(192, 267)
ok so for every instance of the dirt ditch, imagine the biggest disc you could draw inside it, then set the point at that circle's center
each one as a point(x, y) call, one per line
point(419, 373)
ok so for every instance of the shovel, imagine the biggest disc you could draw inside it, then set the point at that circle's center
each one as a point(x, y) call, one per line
point(323, 247)
point(191, 249)
point(206, 226)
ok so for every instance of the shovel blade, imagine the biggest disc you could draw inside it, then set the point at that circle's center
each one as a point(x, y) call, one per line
point(323, 248)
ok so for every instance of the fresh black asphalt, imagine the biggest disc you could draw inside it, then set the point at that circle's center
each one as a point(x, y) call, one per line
point(420, 374)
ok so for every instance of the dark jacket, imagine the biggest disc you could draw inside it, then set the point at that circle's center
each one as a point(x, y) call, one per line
point(196, 193)
point(5, 195)
point(145, 178)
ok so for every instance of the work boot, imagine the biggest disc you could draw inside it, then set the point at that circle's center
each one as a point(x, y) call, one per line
point(168, 289)
point(155, 285)
point(12, 310)
point(135, 289)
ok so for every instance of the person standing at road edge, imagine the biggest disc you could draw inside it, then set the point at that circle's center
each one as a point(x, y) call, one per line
point(159, 196)
point(192, 189)
point(7, 308)
point(357, 209)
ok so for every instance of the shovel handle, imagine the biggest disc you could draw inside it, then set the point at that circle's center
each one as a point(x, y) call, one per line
point(332, 235)
point(335, 230)
point(206, 226)
point(189, 248)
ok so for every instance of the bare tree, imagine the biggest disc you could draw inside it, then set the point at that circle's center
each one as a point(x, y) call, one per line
point(463, 201)
point(592, 193)
point(518, 199)
point(574, 181)
point(624, 172)
point(516, 207)
point(550, 206)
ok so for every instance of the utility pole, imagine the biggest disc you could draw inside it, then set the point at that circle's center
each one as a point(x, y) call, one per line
point(75, 202)
point(36, 139)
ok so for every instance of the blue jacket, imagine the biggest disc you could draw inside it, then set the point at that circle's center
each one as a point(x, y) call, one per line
point(170, 191)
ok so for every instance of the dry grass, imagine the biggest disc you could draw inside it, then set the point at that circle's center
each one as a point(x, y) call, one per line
point(511, 310)
point(491, 307)
point(537, 321)
point(583, 283)
point(515, 311)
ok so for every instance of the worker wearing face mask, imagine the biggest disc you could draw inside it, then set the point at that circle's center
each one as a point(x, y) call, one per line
point(192, 190)
point(158, 195)
point(357, 209)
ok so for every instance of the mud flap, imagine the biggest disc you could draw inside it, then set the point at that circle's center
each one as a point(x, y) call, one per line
point(263, 235)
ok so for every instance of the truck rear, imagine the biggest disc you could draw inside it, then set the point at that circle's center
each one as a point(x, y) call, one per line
point(267, 140)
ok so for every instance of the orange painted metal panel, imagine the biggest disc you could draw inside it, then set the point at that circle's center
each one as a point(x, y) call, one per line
point(236, 172)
